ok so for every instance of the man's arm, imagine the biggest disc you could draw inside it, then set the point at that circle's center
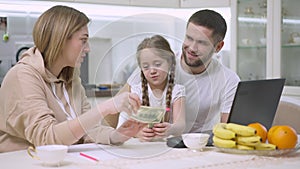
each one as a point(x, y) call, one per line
point(224, 117)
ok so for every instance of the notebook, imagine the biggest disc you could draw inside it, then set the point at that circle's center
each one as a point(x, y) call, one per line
point(256, 101)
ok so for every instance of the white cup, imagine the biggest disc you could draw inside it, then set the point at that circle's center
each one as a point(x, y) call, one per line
point(49, 154)
point(262, 41)
point(296, 39)
point(246, 41)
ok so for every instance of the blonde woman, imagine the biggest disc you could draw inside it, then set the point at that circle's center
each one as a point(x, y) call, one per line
point(42, 99)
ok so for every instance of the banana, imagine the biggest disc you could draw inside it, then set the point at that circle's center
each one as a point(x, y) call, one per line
point(248, 141)
point(218, 142)
point(241, 130)
point(244, 147)
point(220, 131)
point(265, 146)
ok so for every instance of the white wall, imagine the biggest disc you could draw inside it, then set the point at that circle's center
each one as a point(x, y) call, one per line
point(125, 34)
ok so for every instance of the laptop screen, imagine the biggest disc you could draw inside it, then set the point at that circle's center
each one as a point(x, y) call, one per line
point(256, 101)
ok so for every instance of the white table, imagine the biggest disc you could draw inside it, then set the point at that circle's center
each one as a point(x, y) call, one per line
point(150, 155)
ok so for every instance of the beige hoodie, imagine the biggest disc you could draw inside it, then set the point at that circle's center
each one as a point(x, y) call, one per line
point(30, 113)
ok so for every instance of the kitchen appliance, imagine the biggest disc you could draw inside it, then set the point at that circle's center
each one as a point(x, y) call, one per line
point(20, 51)
point(5, 65)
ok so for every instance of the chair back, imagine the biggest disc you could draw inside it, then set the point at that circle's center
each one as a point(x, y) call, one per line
point(288, 113)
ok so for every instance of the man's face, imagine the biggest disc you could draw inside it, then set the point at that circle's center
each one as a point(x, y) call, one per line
point(198, 46)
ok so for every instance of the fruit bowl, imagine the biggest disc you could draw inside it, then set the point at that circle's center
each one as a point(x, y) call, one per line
point(280, 152)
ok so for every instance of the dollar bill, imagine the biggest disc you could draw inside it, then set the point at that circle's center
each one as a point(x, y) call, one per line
point(148, 114)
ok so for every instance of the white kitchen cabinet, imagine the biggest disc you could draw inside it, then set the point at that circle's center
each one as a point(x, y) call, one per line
point(144, 3)
point(156, 3)
point(265, 43)
point(162, 3)
point(204, 3)
point(110, 2)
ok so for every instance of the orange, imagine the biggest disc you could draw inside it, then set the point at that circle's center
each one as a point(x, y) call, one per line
point(270, 133)
point(283, 136)
point(260, 130)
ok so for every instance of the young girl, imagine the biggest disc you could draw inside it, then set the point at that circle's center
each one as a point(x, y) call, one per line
point(157, 89)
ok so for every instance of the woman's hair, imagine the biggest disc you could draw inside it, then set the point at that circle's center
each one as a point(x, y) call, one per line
point(52, 30)
point(161, 48)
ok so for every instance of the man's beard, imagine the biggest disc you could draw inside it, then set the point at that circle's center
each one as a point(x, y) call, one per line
point(196, 63)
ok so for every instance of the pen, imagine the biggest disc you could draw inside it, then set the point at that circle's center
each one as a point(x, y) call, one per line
point(89, 157)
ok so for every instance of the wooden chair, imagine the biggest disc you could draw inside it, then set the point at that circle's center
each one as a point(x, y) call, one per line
point(111, 120)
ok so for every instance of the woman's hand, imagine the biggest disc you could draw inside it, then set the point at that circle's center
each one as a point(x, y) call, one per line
point(128, 129)
point(128, 102)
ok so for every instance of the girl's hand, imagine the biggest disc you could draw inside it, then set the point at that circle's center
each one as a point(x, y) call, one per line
point(161, 129)
point(146, 134)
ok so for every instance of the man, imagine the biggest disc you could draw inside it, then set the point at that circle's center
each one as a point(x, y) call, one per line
point(210, 86)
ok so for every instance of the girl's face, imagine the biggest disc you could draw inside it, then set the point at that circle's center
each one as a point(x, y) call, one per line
point(155, 68)
point(76, 48)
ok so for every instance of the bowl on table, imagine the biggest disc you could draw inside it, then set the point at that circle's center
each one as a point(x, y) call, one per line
point(195, 141)
point(49, 154)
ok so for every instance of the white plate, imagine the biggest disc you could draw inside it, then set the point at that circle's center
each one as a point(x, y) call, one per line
point(260, 152)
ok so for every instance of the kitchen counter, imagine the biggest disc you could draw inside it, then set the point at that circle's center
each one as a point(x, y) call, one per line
point(101, 93)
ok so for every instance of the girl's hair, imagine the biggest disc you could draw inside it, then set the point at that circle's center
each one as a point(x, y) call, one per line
point(52, 30)
point(161, 48)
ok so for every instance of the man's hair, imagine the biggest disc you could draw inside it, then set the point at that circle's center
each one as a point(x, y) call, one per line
point(211, 20)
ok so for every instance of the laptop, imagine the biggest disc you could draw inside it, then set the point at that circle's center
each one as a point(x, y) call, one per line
point(256, 101)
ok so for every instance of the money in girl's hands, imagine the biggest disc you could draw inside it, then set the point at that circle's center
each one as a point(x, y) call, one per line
point(148, 114)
